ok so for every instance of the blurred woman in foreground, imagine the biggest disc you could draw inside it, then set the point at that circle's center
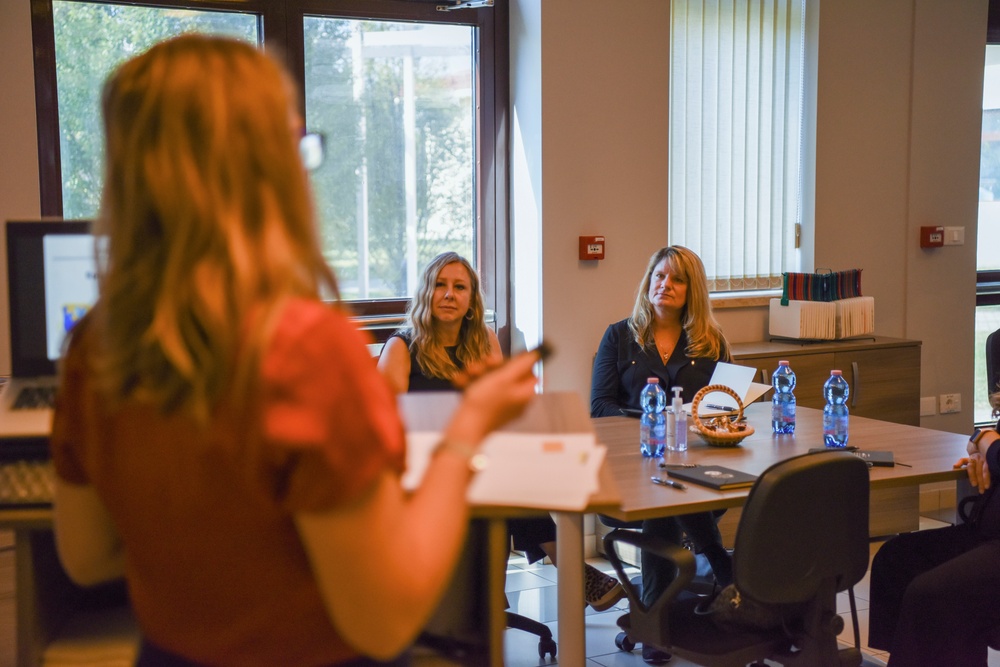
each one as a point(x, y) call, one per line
point(221, 438)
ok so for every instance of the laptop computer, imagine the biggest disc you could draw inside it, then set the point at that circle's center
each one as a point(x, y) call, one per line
point(52, 282)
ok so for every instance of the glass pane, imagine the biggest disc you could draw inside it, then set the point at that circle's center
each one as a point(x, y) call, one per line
point(91, 39)
point(396, 104)
point(989, 166)
point(987, 321)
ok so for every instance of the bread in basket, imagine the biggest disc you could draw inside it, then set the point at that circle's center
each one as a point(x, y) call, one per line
point(722, 431)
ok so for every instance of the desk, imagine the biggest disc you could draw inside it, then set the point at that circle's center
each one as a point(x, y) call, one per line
point(930, 455)
point(557, 412)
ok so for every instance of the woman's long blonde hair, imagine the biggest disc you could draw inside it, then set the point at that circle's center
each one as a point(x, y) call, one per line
point(208, 219)
point(705, 338)
point(473, 340)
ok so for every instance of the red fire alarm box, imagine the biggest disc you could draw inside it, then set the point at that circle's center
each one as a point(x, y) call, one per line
point(931, 237)
point(591, 247)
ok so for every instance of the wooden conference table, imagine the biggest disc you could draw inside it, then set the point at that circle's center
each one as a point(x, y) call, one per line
point(929, 456)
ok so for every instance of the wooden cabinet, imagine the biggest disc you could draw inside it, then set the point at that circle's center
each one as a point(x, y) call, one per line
point(884, 373)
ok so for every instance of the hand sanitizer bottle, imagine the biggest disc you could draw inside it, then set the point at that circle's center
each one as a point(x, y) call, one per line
point(678, 424)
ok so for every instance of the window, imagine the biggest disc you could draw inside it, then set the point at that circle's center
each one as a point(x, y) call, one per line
point(987, 263)
point(91, 39)
point(735, 132)
point(396, 102)
point(408, 98)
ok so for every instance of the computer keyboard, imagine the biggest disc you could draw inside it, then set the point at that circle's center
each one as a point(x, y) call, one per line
point(32, 398)
point(26, 483)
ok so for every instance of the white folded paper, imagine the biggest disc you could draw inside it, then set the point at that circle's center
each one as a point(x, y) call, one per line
point(546, 459)
point(536, 470)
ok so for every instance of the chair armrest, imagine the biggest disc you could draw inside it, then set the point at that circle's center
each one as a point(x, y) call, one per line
point(682, 559)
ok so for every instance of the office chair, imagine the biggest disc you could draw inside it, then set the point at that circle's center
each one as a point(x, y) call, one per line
point(993, 362)
point(802, 538)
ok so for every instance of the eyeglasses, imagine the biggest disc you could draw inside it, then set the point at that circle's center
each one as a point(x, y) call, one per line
point(312, 148)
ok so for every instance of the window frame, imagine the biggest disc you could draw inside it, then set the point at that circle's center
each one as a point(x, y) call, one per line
point(281, 24)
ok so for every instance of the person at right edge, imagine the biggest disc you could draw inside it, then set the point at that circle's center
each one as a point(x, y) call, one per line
point(671, 335)
point(934, 592)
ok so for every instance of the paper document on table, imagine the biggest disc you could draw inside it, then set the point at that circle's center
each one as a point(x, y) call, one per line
point(554, 471)
point(737, 378)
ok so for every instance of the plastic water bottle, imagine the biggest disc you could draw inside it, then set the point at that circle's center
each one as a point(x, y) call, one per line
point(835, 414)
point(653, 423)
point(679, 428)
point(783, 401)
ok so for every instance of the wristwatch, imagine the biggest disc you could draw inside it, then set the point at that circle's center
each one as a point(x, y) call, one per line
point(977, 435)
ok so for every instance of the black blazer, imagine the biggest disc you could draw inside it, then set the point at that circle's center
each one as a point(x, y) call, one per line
point(622, 367)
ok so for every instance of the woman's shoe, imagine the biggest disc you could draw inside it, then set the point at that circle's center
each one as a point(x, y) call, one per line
point(654, 656)
point(601, 591)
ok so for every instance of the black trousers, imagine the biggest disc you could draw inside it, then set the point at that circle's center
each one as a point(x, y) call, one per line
point(528, 534)
point(703, 531)
point(935, 594)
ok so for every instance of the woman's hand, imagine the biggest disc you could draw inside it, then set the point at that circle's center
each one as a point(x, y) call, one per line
point(977, 470)
point(975, 464)
point(474, 369)
point(494, 398)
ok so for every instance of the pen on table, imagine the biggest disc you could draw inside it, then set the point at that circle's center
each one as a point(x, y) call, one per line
point(678, 465)
point(668, 482)
point(721, 407)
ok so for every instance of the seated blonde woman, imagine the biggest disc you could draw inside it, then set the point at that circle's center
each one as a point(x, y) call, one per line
point(445, 338)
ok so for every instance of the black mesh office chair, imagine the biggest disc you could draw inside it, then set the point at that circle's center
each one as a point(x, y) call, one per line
point(802, 538)
point(993, 362)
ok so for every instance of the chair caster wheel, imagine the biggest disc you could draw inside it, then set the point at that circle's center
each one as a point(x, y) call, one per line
point(624, 643)
point(546, 646)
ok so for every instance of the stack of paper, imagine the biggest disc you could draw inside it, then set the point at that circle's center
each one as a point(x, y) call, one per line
point(822, 320)
point(855, 317)
point(547, 459)
point(803, 319)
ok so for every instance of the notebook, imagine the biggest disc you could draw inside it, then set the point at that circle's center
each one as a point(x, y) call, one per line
point(873, 458)
point(716, 477)
point(52, 282)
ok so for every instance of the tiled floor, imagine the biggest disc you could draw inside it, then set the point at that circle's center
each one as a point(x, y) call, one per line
point(531, 591)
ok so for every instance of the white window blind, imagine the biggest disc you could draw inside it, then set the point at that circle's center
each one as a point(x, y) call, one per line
point(735, 134)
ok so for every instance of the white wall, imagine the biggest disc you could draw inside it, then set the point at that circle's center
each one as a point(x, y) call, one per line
point(600, 89)
point(19, 196)
point(898, 82)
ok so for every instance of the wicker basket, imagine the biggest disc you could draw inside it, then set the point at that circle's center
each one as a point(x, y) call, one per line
point(724, 431)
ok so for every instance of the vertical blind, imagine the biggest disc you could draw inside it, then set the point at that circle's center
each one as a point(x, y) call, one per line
point(736, 69)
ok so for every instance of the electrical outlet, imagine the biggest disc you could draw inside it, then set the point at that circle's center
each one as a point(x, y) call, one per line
point(928, 406)
point(950, 403)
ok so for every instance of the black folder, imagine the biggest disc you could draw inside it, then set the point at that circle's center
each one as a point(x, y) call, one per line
point(716, 477)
